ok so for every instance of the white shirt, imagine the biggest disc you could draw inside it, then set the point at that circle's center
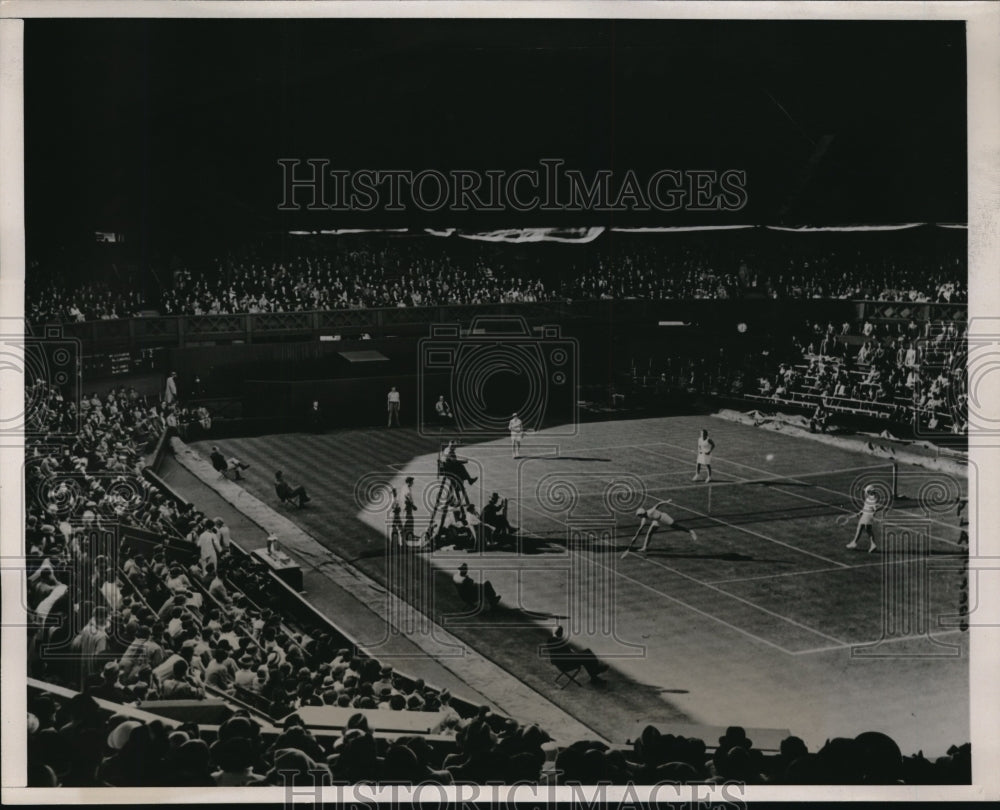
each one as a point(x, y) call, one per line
point(516, 426)
point(705, 446)
point(870, 505)
point(206, 545)
point(394, 397)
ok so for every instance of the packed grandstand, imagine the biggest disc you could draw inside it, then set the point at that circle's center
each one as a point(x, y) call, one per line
point(169, 606)
point(365, 271)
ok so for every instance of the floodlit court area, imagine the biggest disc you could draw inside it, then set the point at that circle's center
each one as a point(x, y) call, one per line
point(765, 620)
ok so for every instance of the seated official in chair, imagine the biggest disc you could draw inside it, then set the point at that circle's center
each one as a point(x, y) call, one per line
point(287, 494)
point(567, 656)
point(454, 466)
point(495, 519)
point(472, 592)
point(227, 465)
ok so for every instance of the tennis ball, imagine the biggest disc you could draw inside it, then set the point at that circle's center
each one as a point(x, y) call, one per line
point(769, 457)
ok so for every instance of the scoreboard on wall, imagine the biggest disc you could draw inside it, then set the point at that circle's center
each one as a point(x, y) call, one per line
point(116, 364)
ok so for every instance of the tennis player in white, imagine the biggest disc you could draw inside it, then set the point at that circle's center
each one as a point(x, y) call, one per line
point(866, 518)
point(654, 518)
point(516, 427)
point(705, 448)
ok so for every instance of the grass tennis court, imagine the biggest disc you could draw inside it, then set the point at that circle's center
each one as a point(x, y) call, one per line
point(754, 623)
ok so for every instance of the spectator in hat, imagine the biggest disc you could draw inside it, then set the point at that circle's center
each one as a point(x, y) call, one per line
point(472, 592)
point(385, 681)
point(189, 765)
point(245, 675)
point(558, 646)
point(234, 758)
point(292, 767)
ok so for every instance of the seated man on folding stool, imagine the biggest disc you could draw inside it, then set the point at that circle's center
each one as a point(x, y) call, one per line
point(226, 465)
point(559, 647)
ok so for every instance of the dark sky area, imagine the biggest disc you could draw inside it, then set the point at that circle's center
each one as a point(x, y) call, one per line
point(170, 131)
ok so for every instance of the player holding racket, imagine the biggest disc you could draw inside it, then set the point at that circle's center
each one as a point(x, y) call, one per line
point(705, 448)
point(516, 428)
point(653, 518)
point(866, 518)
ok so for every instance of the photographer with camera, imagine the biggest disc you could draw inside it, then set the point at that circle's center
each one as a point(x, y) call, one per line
point(442, 412)
point(495, 517)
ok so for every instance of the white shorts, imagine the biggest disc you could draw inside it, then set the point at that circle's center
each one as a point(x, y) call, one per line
point(704, 459)
point(867, 519)
point(515, 438)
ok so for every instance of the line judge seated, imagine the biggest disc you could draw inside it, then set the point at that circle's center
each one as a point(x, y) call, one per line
point(226, 465)
point(473, 593)
point(559, 647)
point(285, 491)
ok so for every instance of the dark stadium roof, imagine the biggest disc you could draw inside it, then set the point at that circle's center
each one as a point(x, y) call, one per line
point(170, 131)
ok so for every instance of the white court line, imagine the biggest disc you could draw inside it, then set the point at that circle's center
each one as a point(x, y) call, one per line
point(707, 615)
point(812, 571)
point(891, 640)
point(799, 495)
point(827, 489)
point(839, 565)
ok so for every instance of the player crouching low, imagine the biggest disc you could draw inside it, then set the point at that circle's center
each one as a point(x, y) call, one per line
point(866, 519)
point(653, 518)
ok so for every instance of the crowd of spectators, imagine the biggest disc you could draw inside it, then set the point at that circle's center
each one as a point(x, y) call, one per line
point(687, 273)
point(74, 743)
point(368, 272)
point(52, 297)
point(169, 607)
point(907, 371)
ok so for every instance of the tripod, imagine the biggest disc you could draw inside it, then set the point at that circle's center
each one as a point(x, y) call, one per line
point(451, 490)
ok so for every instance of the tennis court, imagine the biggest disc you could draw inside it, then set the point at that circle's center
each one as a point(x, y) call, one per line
point(767, 602)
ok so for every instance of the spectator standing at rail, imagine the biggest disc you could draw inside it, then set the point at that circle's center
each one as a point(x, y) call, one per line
point(393, 406)
point(315, 417)
point(170, 397)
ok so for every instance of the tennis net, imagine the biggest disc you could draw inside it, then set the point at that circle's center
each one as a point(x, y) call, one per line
point(785, 497)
